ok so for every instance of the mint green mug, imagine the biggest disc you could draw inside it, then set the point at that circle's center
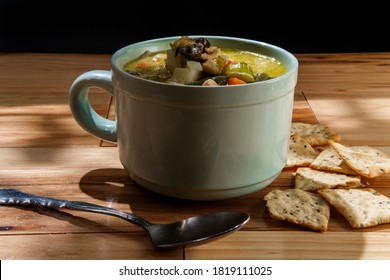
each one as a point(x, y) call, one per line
point(193, 142)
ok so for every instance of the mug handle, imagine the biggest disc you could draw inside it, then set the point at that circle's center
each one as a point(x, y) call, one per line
point(82, 110)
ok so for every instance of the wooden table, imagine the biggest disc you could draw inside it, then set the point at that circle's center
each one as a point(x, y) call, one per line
point(45, 152)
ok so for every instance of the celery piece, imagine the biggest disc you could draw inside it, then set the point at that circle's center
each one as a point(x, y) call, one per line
point(242, 71)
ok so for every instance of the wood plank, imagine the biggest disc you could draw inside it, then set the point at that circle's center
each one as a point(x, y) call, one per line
point(63, 165)
point(301, 110)
point(350, 92)
point(287, 245)
point(111, 116)
point(48, 128)
point(81, 246)
point(34, 107)
point(50, 73)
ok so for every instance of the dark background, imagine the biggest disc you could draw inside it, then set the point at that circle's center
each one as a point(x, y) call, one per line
point(104, 27)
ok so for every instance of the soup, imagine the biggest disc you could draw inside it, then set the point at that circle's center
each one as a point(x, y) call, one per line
point(196, 62)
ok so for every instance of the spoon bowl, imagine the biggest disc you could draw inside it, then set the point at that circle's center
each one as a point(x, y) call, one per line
point(191, 231)
point(197, 229)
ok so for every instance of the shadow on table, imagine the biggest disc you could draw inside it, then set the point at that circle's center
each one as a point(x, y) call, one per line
point(115, 186)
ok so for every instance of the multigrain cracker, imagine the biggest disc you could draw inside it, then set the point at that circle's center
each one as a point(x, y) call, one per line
point(320, 148)
point(314, 134)
point(300, 152)
point(310, 179)
point(330, 160)
point(363, 207)
point(369, 150)
point(365, 160)
point(300, 207)
point(345, 165)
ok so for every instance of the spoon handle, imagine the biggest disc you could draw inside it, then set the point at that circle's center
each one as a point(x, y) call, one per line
point(16, 197)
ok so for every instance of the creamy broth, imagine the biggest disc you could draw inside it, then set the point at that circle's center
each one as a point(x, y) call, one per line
point(222, 65)
point(260, 63)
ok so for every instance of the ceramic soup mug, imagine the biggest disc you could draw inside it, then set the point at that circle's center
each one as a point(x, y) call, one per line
point(193, 142)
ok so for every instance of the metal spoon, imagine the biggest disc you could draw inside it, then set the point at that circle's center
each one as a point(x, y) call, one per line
point(190, 231)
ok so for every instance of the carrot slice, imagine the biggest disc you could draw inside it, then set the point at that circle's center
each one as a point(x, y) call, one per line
point(235, 81)
point(143, 64)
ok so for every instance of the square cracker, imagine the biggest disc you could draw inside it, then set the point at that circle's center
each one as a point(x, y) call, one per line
point(310, 179)
point(330, 160)
point(362, 207)
point(300, 207)
point(366, 161)
point(314, 134)
point(300, 152)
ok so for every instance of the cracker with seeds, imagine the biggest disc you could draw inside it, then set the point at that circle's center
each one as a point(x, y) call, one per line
point(362, 207)
point(314, 134)
point(366, 161)
point(299, 207)
point(311, 180)
point(330, 160)
point(300, 152)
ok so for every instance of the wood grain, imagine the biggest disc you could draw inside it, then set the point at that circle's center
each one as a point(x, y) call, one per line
point(34, 110)
point(351, 93)
point(292, 245)
point(81, 246)
point(45, 152)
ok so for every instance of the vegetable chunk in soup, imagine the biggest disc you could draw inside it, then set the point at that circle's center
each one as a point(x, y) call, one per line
point(196, 62)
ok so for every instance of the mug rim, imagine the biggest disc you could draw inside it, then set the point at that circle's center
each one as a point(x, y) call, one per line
point(291, 69)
